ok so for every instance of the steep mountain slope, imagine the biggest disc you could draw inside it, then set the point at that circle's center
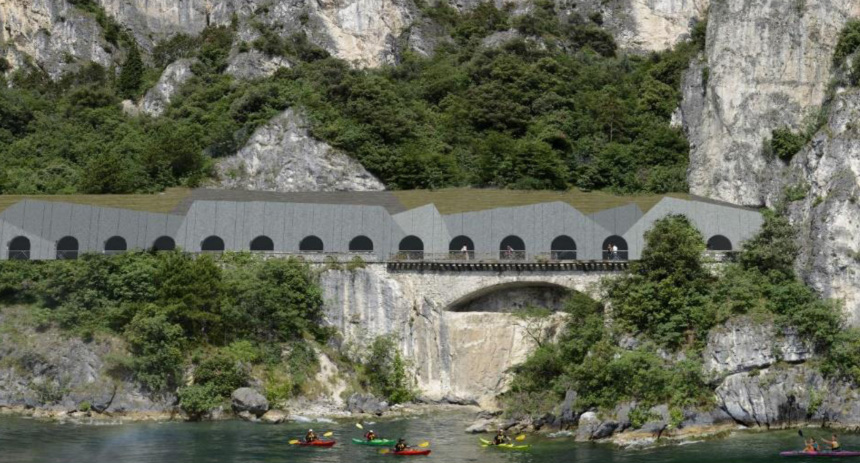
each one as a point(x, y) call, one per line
point(769, 65)
point(364, 32)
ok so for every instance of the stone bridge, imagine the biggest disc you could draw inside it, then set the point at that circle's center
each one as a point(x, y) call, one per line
point(455, 327)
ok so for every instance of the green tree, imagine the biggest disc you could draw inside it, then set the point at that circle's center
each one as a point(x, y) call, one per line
point(156, 344)
point(665, 293)
point(386, 371)
point(222, 373)
point(131, 74)
point(198, 400)
point(190, 291)
point(785, 143)
point(773, 250)
point(281, 299)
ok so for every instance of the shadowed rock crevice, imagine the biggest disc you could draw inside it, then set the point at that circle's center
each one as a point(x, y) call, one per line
point(510, 297)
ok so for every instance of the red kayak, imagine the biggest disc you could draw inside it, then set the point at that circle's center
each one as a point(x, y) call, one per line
point(317, 443)
point(823, 453)
point(409, 452)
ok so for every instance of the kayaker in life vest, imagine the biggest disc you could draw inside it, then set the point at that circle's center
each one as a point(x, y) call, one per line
point(370, 435)
point(501, 438)
point(311, 436)
point(833, 443)
point(401, 445)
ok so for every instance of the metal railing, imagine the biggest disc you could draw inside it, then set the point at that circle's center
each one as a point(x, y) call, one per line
point(67, 254)
point(19, 254)
point(615, 255)
point(472, 256)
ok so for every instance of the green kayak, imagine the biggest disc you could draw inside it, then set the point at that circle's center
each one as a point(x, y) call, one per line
point(375, 442)
point(486, 443)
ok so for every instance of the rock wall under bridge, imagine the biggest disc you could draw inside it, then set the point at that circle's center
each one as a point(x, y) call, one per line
point(455, 328)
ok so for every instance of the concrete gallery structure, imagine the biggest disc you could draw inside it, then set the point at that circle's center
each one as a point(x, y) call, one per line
point(374, 224)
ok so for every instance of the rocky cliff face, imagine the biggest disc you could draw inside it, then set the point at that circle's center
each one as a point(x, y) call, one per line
point(282, 156)
point(157, 98)
point(769, 65)
point(458, 357)
point(743, 344)
point(829, 215)
point(58, 373)
point(654, 25)
point(762, 380)
point(364, 32)
point(52, 33)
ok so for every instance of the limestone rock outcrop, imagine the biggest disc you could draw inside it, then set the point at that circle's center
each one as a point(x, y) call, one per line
point(457, 357)
point(156, 99)
point(654, 25)
point(246, 399)
point(769, 66)
point(778, 397)
point(367, 33)
point(743, 344)
point(829, 216)
point(253, 64)
point(60, 374)
point(366, 403)
point(54, 34)
point(282, 156)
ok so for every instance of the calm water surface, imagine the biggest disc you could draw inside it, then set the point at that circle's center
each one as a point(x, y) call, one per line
point(24, 440)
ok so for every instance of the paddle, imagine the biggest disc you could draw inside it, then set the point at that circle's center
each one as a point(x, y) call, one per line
point(294, 442)
point(359, 426)
point(424, 444)
point(800, 433)
point(521, 437)
point(328, 434)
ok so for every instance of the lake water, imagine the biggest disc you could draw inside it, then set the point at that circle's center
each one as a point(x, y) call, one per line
point(26, 440)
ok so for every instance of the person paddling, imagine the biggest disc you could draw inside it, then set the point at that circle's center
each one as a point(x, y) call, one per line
point(371, 436)
point(813, 445)
point(311, 436)
point(833, 443)
point(401, 445)
point(501, 438)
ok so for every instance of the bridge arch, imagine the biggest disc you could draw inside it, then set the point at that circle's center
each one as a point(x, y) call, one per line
point(563, 247)
point(212, 243)
point(455, 247)
point(67, 248)
point(512, 247)
point(618, 242)
point(311, 243)
point(19, 248)
point(262, 243)
point(361, 243)
point(115, 245)
point(719, 243)
point(164, 243)
point(411, 247)
point(512, 296)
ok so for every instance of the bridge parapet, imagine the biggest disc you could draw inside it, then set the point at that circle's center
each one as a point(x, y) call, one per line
point(508, 265)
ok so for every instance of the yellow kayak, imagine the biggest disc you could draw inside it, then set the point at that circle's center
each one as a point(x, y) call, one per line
point(486, 443)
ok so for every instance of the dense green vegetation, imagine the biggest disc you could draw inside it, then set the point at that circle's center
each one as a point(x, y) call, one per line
point(785, 144)
point(667, 302)
point(225, 318)
point(557, 108)
point(845, 56)
point(385, 371)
